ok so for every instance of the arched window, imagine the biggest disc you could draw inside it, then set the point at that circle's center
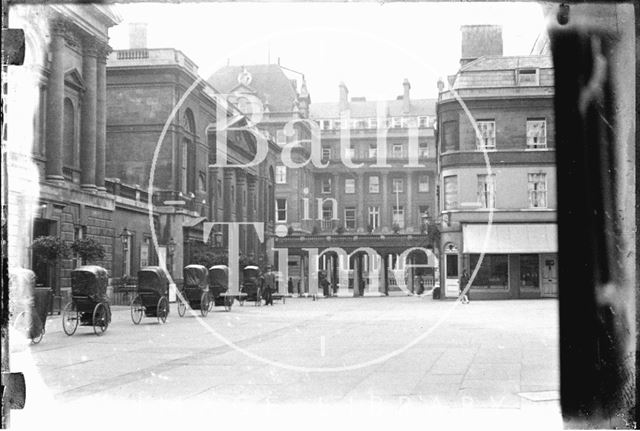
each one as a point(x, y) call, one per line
point(69, 133)
point(202, 182)
point(188, 122)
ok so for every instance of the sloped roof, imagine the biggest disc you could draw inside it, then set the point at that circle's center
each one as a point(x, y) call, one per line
point(366, 109)
point(268, 81)
point(494, 62)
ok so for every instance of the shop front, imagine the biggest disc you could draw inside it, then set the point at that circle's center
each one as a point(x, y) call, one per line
point(505, 261)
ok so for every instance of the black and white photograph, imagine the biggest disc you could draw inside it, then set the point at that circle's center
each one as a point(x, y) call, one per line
point(319, 215)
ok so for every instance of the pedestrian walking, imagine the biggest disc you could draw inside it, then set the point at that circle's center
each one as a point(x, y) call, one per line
point(464, 280)
point(290, 286)
point(269, 286)
point(324, 283)
point(300, 292)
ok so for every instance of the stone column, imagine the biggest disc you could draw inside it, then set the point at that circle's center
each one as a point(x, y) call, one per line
point(338, 190)
point(88, 119)
point(361, 209)
point(385, 211)
point(101, 117)
point(408, 212)
point(55, 98)
point(251, 213)
point(241, 214)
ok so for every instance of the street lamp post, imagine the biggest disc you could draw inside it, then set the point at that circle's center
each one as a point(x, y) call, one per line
point(171, 249)
point(124, 237)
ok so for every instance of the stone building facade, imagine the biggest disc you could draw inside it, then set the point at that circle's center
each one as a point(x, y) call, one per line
point(497, 173)
point(145, 86)
point(372, 199)
point(66, 69)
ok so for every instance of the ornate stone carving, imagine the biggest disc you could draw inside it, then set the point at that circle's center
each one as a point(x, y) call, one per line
point(90, 46)
point(103, 51)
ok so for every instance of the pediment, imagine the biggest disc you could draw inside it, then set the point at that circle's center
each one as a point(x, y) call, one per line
point(74, 79)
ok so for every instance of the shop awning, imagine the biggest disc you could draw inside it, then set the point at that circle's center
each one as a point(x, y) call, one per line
point(510, 238)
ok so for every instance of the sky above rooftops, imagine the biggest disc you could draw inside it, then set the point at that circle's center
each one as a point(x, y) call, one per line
point(371, 47)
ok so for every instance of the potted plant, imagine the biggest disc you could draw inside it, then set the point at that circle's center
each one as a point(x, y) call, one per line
point(315, 230)
point(50, 248)
point(290, 231)
point(88, 249)
point(370, 228)
point(395, 228)
point(340, 230)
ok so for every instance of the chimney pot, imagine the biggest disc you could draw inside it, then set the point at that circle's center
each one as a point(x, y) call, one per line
point(480, 40)
point(344, 97)
point(406, 101)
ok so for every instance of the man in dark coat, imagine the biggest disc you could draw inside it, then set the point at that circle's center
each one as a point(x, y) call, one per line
point(290, 286)
point(464, 280)
point(324, 284)
point(269, 286)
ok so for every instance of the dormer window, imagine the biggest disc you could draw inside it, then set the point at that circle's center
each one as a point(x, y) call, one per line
point(527, 77)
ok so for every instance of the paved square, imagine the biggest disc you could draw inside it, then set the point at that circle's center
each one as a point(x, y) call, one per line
point(396, 351)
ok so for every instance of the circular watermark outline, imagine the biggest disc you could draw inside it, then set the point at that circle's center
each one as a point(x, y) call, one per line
point(379, 359)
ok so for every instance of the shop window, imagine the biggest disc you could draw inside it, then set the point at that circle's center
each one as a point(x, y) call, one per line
point(493, 272)
point(529, 271)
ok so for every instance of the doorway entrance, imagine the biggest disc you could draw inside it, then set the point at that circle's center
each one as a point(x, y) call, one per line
point(549, 275)
point(45, 271)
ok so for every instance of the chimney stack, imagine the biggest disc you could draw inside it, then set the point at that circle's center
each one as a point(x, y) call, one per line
point(480, 40)
point(406, 102)
point(138, 35)
point(344, 97)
